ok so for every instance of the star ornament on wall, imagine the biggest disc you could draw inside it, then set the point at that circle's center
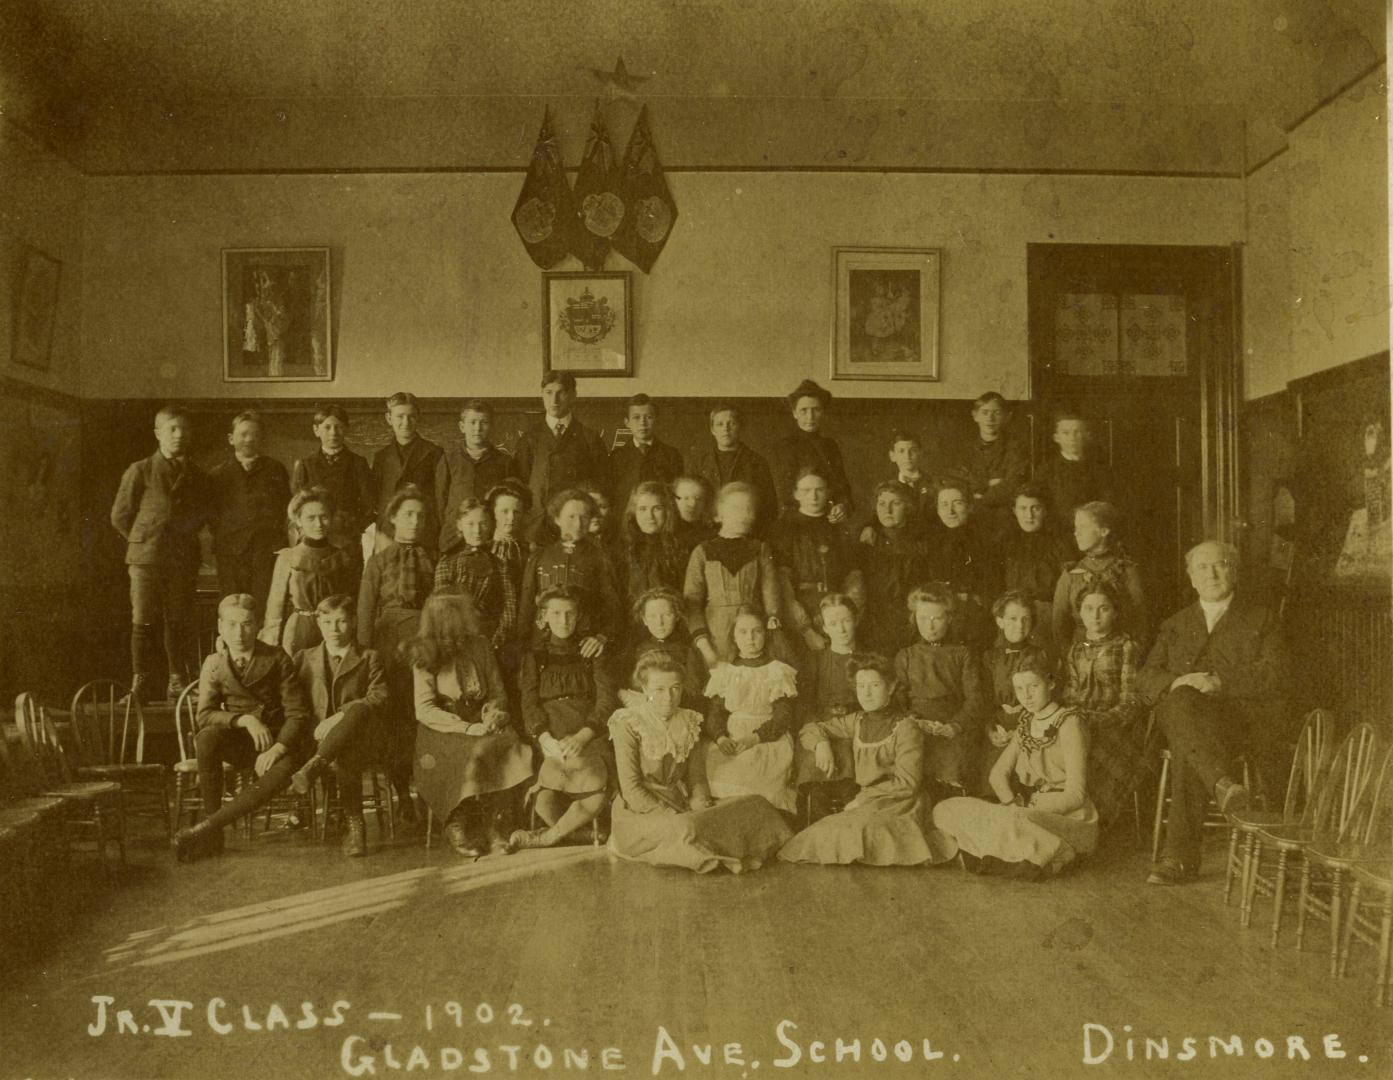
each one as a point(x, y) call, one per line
point(620, 81)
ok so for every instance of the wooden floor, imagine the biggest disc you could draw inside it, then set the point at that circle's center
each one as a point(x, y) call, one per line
point(998, 976)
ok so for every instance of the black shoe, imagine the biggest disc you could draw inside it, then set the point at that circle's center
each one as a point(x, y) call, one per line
point(197, 842)
point(355, 839)
point(307, 774)
point(1168, 870)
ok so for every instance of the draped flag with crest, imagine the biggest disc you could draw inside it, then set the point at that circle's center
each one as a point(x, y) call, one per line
point(599, 206)
point(651, 209)
point(544, 209)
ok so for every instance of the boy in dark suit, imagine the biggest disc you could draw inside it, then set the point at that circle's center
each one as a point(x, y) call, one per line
point(162, 504)
point(475, 468)
point(560, 452)
point(346, 687)
point(1217, 679)
point(251, 494)
point(1072, 476)
point(727, 460)
point(645, 458)
point(409, 459)
point(251, 714)
point(346, 476)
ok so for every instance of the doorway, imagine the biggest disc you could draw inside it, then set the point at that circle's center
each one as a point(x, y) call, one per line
point(1143, 340)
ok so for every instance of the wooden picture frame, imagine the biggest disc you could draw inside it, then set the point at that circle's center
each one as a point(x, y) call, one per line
point(885, 313)
point(36, 309)
point(277, 315)
point(589, 328)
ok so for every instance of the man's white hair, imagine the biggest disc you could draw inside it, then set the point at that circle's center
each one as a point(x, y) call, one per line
point(1227, 551)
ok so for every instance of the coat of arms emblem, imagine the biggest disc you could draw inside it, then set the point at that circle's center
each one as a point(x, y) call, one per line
point(587, 318)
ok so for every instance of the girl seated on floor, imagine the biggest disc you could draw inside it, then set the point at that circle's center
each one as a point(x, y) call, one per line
point(659, 626)
point(663, 814)
point(885, 824)
point(468, 756)
point(943, 683)
point(1100, 684)
point(1042, 819)
point(749, 719)
point(1015, 644)
point(566, 700)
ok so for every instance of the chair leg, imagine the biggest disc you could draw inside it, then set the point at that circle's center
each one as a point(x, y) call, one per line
point(1136, 816)
point(1279, 895)
point(1301, 906)
point(1385, 938)
point(1337, 895)
point(121, 824)
point(1228, 867)
point(1347, 933)
point(1250, 886)
point(168, 821)
point(1159, 819)
point(430, 821)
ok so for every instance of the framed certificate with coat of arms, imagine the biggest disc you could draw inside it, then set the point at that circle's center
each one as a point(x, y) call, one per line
point(885, 315)
point(590, 325)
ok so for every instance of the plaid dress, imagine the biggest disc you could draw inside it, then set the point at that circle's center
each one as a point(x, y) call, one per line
point(1100, 683)
point(484, 576)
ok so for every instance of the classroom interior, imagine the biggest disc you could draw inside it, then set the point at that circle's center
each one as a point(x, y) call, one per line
point(1236, 154)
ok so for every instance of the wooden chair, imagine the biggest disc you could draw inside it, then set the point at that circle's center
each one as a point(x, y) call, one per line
point(186, 798)
point(1371, 921)
point(108, 728)
point(1350, 773)
point(1212, 820)
point(1366, 837)
point(34, 853)
point(1308, 765)
point(377, 800)
point(90, 805)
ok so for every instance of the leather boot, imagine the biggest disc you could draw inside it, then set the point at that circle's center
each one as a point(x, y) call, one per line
point(308, 773)
point(197, 842)
point(355, 837)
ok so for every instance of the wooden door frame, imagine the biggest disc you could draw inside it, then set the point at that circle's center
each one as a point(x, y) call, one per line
point(1220, 365)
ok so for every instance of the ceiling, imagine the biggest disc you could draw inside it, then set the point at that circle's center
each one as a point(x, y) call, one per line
point(327, 83)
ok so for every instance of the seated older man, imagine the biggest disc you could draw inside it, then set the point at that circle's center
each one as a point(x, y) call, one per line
point(1216, 677)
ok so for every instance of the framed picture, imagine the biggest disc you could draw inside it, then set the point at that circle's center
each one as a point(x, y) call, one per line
point(36, 308)
point(590, 324)
point(885, 319)
point(276, 317)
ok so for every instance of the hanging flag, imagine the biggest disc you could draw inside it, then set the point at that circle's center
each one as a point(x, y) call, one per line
point(544, 211)
point(599, 208)
point(652, 211)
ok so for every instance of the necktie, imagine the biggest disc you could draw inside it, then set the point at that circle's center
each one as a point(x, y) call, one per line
point(334, 663)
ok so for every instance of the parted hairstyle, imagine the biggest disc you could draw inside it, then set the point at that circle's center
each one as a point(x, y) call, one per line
point(570, 494)
point(735, 487)
point(871, 662)
point(323, 412)
point(1038, 662)
point(1012, 596)
point(566, 593)
point(657, 489)
point(640, 399)
point(655, 660)
point(836, 599)
point(658, 592)
point(403, 397)
point(171, 412)
point(934, 592)
point(720, 407)
point(305, 496)
point(404, 494)
point(478, 405)
point(900, 435)
point(509, 486)
point(563, 379)
point(239, 601)
point(1030, 489)
point(338, 602)
point(246, 416)
point(753, 611)
point(1104, 515)
point(808, 388)
point(904, 491)
point(449, 622)
point(469, 505)
point(1098, 588)
point(987, 399)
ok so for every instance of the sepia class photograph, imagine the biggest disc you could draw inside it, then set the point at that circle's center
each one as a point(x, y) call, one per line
point(695, 538)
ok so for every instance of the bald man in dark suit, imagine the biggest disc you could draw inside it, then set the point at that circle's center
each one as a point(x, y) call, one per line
point(1217, 679)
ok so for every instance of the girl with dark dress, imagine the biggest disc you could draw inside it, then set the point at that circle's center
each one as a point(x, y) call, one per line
point(649, 555)
point(659, 626)
point(306, 573)
point(1102, 562)
point(896, 560)
point(1033, 554)
point(1015, 645)
point(814, 556)
point(472, 567)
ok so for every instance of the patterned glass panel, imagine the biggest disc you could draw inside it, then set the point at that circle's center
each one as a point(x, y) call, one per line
point(1085, 332)
point(1153, 336)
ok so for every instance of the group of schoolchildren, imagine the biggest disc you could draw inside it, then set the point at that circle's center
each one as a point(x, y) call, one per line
point(709, 654)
